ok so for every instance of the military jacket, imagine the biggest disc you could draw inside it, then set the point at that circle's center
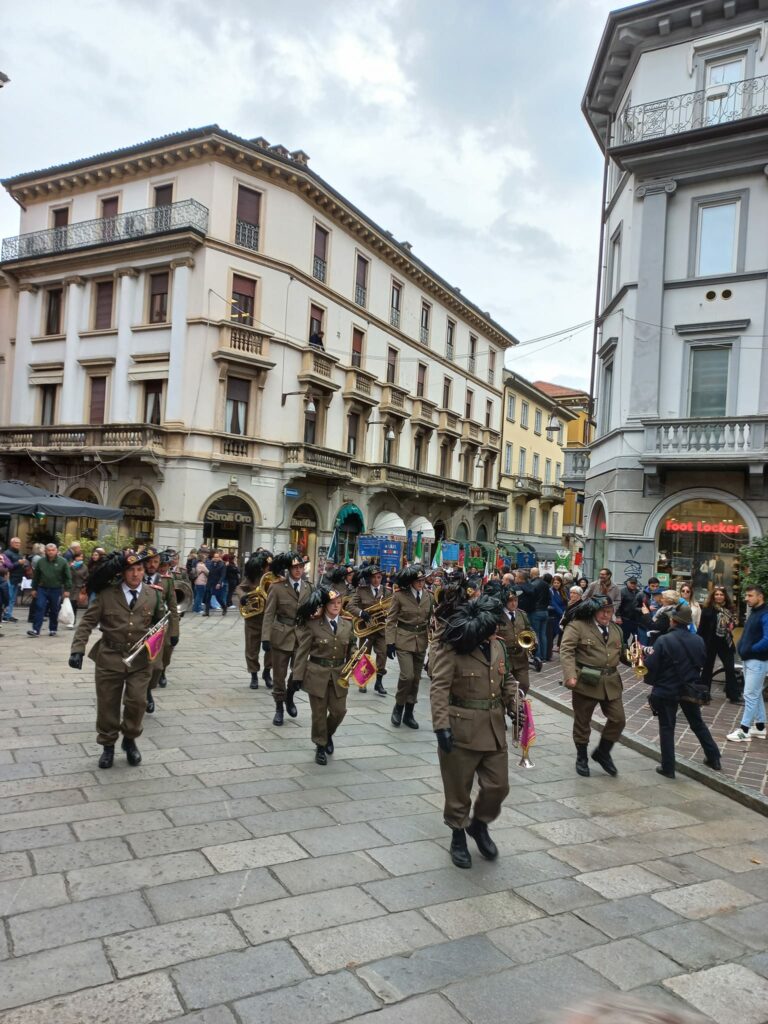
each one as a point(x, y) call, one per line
point(470, 678)
point(582, 645)
point(508, 631)
point(279, 626)
point(322, 654)
point(408, 621)
point(362, 599)
point(121, 628)
point(253, 622)
point(166, 587)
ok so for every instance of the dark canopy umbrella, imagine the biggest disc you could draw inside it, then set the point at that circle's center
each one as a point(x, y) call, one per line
point(17, 498)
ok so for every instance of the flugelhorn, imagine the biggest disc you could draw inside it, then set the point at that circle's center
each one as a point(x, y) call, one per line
point(636, 658)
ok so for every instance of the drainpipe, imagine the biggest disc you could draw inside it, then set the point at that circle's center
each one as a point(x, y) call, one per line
point(598, 289)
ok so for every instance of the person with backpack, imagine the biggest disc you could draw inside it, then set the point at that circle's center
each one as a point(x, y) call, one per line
point(674, 666)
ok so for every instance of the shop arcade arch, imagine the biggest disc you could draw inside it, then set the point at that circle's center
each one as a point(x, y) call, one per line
point(228, 522)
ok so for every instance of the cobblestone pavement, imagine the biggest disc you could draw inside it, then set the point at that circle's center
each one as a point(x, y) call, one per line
point(744, 763)
point(230, 879)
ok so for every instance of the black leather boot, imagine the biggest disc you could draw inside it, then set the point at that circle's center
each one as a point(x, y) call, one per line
point(267, 677)
point(397, 715)
point(150, 703)
point(582, 761)
point(320, 756)
point(290, 707)
point(278, 719)
point(329, 746)
point(479, 832)
point(459, 852)
point(602, 754)
point(408, 718)
point(254, 680)
point(162, 681)
point(107, 756)
point(132, 752)
point(379, 687)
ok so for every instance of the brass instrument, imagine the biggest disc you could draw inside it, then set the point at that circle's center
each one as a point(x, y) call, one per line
point(378, 618)
point(138, 647)
point(351, 665)
point(636, 658)
point(526, 640)
point(256, 599)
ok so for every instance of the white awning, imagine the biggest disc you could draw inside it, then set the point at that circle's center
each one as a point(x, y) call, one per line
point(390, 524)
point(420, 524)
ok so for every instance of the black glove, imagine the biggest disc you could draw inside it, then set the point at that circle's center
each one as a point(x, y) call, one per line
point(390, 650)
point(75, 661)
point(174, 641)
point(243, 601)
point(444, 740)
point(266, 646)
point(365, 616)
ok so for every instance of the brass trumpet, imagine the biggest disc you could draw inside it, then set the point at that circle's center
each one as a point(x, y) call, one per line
point(378, 619)
point(636, 658)
point(526, 639)
point(256, 599)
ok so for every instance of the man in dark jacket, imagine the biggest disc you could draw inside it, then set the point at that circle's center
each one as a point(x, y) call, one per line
point(674, 671)
point(629, 611)
point(539, 615)
point(753, 651)
point(217, 569)
point(17, 567)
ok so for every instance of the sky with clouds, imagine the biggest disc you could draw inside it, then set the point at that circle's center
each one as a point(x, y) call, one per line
point(456, 125)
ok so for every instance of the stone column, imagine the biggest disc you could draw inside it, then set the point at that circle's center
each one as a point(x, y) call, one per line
point(121, 411)
point(72, 390)
point(174, 401)
point(646, 353)
point(22, 403)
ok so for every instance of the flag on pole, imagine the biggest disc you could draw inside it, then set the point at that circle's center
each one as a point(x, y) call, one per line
point(333, 548)
point(418, 553)
point(486, 571)
point(437, 558)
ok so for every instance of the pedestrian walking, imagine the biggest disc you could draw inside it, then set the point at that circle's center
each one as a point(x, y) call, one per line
point(630, 613)
point(51, 581)
point(716, 625)
point(604, 586)
point(17, 565)
point(406, 634)
point(753, 650)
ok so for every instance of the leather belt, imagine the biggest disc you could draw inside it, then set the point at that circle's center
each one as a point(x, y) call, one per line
point(476, 705)
point(420, 628)
point(118, 648)
point(327, 662)
point(285, 622)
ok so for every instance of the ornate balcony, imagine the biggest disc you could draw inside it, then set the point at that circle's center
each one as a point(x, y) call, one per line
point(574, 474)
point(317, 369)
point(471, 431)
point(490, 498)
point(526, 487)
point(408, 481)
point(245, 345)
point(491, 439)
point(705, 108)
point(393, 401)
point(716, 441)
point(188, 215)
point(359, 386)
point(79, 440)
point(551, 494)
point(449, 423)
point(315, 461)
point(423, 413)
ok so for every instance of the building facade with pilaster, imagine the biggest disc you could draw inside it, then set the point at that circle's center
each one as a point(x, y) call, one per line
point(202, 331)
point(675, 479)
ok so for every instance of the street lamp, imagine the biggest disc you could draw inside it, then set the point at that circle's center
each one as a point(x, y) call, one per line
point(553, 427)
point(390, 435)
point(310, 404)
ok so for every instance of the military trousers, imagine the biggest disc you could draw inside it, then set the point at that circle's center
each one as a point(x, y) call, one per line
point(161, 662)
point(584, 708)
point(411, 666)
point(379, 652)
point(112, 690)
point(253, 645)
point(520, 670)
point(281, 662)
point(459, 769)
point(328, 713)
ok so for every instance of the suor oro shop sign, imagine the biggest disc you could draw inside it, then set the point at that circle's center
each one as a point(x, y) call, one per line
point(699, 526)
point(230, 516)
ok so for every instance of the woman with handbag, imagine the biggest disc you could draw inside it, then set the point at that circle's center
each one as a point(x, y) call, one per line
point(718, 619)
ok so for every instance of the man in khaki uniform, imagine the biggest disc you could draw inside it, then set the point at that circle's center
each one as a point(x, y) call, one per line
point(254, 570)
point(158, 578)
point(124, 611)
point(512, 622)
point(278, 634)
point(326, 642)
point(406, 637)
point(370, 592)
point(471, 690)
point(590, 651)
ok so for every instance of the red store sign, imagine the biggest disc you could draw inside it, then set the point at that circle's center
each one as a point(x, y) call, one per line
point(701, 527)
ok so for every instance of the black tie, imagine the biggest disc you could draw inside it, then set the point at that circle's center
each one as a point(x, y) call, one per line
point(296, 587)
point(334, 625)
point(418, 597)
point(134, 599)
point(512, 616)
point(485, 647)
point(604, 631)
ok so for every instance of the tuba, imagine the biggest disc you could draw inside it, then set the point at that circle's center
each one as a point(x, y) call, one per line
point(377, 621)
point(256, 599)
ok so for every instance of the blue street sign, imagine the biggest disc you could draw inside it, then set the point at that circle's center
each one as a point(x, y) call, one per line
point(290, 492)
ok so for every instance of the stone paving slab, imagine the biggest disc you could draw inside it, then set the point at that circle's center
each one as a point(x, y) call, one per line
point(229, 879)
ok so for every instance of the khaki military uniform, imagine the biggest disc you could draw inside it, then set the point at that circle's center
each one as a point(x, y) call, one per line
point(279, 629)
point(320, 657)
point(582, 645)
point(362, 599)
point(470, 695)
point(407, 628)
point(254, 627)
point(121, 629)
point(167, 591)
point(507, 632)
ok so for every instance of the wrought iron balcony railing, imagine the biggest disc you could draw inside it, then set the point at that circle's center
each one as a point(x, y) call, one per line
point(361, 295)
point(424, 335)
point(247, 235)
point(125, 227)
point(394, 316)
point(319, 267)
point(717, 104)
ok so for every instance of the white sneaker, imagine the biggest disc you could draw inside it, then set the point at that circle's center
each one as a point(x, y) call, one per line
point(755, 733)
point(739, 736)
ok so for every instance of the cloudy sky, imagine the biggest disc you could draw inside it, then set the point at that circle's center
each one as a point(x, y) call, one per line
point(456, 125)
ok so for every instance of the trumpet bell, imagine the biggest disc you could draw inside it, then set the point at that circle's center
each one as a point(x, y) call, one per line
point(526, 639)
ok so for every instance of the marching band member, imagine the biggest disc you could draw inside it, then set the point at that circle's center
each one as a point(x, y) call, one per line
point(278, 634)
point(406, 638)
point(512, 622)
point(325, 644)
point(370, 592)
point(156, 575)
point(471, 689)
point(253, 571)
point(124, 611)
point(590, 651)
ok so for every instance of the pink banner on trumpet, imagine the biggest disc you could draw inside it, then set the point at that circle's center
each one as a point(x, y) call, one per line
point(364, 670)
point(154, 643)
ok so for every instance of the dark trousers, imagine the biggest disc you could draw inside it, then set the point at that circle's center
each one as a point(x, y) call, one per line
point(48, 600)
point(459, 769)
point(539, 622)
point(583, 709)
point(666, 710)
point(411, 666)
point(720, 648)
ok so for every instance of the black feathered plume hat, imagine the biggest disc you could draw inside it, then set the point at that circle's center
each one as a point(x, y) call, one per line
point(588, 609)
point(410, 575)
point(257, 565)
point(282, 563)
point(493, 588)
point(318, 598)
point(471, 624)
point(333, 577)
point(105, 572)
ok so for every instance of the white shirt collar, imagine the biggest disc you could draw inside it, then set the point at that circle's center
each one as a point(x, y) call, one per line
point(127, 591)
point(329, 621)
point(416, 593)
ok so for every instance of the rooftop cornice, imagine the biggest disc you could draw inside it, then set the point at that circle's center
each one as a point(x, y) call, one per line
point(520, 385)
point(256, 157)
